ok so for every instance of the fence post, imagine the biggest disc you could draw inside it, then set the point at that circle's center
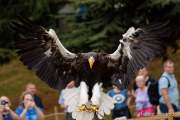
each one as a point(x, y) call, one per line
point(170, 116)
point(55, 112)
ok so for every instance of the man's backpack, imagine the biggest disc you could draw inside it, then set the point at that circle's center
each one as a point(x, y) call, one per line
point(153, 91)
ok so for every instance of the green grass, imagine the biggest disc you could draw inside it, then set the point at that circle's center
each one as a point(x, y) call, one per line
point(14, 76)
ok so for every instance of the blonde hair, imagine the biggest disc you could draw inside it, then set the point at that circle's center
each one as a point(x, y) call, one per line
point(140, 77)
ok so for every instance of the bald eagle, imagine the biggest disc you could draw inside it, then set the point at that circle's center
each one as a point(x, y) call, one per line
point(42, 51)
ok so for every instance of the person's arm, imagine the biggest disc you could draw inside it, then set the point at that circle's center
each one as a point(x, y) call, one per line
point(133, 93)
point(164, 93)
point(13, 114)
point(61, 100)
point(129, 98)
point(23, 114)
point(163, 86)
point(40, 114)
point(1, 117)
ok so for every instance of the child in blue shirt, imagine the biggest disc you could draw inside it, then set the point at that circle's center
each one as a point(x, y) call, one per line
point(28, 109)
point(120, 96)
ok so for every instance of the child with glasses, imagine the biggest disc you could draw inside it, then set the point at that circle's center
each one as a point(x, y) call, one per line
point(6, 113)
point(27, 109)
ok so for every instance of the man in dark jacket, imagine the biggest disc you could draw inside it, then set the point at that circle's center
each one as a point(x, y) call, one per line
point(30, 87)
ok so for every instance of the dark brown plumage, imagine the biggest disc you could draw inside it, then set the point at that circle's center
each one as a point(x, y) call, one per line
point(42, 52)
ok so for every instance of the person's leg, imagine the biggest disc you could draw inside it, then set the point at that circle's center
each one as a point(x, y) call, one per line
point(69, 116)
point(115, 114)
point(163, 108)
point(129, 113)
point(122, 112)
point(66, 116)
point(126, 112)
point(176, 109)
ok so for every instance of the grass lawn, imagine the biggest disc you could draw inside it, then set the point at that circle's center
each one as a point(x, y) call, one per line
point(13, 78)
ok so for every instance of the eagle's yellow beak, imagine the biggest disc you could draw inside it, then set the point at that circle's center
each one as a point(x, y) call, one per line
point(91, 61)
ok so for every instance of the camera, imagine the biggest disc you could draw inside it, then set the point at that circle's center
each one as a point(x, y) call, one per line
point(3, 102)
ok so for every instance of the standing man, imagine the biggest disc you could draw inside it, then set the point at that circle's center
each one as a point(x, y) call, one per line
point(168, 89)
point(30, 87)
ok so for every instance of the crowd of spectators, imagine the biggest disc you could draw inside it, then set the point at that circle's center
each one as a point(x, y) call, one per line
point(167, 94)
point(30, 106)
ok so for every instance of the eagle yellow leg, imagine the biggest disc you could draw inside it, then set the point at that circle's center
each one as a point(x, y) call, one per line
point(88, 108)
point(84, 105)
point(94, 108)
point(82, 108)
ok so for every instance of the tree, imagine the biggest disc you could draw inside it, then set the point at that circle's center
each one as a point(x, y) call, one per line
point(43, 12)
point(101, 24)
point(89, 25)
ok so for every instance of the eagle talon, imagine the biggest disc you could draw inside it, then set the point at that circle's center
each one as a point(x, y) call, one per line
point(90, 108)
point(83, 108)
point(94, 108)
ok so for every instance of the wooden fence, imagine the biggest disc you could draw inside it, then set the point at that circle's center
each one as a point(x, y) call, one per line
point(60, 116)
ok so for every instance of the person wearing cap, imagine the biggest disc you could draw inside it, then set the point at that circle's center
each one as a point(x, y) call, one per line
point(120, 95)
point(143, 105)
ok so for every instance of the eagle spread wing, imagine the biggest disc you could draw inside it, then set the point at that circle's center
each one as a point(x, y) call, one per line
point(139, 46)
point(42, 51)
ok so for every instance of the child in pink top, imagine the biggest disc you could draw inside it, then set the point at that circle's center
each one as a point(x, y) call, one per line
point(143, 105)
